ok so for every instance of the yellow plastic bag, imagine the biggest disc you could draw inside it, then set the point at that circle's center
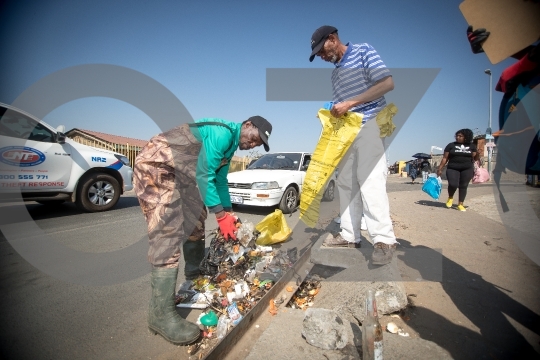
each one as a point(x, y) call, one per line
point(337, 136)
point(273, 229)
point(384, 120)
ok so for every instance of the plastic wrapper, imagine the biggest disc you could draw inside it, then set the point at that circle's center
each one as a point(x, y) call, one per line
point(214, 256)
point(234, 314)
point(192, 299)
point(273, 229)
point(235, 256)
point(244, 234)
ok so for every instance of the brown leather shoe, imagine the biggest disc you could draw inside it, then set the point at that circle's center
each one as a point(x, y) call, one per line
point(382, 253)
point(338, 242)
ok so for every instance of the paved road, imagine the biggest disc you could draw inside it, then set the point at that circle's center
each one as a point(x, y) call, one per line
point(55, 309)
point(54, 317)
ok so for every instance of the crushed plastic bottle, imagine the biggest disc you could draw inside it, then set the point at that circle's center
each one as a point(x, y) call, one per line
point(222, 326)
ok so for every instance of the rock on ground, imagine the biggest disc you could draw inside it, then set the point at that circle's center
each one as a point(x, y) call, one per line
point(324, 329)
point(348, 274)
point(348, 298)
point(283, 340)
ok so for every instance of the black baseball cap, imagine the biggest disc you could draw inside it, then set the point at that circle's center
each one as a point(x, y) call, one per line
point(265, 129)
point(318, 38)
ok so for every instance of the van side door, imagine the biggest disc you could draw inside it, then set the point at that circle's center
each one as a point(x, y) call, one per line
point(31, 159)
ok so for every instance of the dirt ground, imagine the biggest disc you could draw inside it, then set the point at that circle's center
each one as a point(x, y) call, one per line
point(486, 305)
point(472, 290)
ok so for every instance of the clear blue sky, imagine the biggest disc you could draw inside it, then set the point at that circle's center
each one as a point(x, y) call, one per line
point(213, 56)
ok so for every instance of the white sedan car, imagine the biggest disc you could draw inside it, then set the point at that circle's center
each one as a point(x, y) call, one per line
point(274, 179)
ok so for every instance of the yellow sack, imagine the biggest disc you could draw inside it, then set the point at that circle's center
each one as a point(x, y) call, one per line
point(384, 120)
point(273, 229)
point(337, 136)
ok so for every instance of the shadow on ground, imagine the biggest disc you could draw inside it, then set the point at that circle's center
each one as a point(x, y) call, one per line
point(431, 203)
point(486, 305)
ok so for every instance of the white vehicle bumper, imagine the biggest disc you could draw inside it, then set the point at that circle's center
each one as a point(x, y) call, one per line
point(257, 197)
point(127, 174)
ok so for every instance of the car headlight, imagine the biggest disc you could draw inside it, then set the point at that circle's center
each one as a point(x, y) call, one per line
point(123, 159)
point(265, 185)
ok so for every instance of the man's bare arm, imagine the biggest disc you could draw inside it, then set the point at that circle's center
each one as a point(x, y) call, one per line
point(380, 88)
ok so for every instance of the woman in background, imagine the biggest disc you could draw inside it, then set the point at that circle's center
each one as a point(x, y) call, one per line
point(413, 171)
point(460, 156)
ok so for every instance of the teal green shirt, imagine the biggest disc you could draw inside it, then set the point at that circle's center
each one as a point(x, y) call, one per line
point(218, 147)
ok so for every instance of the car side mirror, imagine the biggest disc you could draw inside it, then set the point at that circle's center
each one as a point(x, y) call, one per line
point(61, 128)
point(60, 138)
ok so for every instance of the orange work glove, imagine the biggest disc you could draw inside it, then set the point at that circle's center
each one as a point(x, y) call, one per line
point(227, 226)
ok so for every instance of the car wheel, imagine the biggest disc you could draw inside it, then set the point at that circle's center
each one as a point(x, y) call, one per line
point(289, 200)
point(330, 191)
point(51, 202)
point(97, 192)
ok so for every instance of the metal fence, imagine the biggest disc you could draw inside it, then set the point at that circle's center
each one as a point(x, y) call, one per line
point(239, 165)
point(131, 151)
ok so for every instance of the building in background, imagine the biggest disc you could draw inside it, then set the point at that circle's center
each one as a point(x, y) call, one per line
point(130, 147)
point(127, 146)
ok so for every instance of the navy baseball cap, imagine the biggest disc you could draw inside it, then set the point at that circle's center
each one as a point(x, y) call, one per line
point(318, 38)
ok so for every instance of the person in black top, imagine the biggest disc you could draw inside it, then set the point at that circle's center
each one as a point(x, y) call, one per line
point(460, 156)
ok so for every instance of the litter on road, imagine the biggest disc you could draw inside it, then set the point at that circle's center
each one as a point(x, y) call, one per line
point(236, 274)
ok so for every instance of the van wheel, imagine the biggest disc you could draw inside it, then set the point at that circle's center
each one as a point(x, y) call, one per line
point(97, 192)
point(330, 191)
point(289, 200)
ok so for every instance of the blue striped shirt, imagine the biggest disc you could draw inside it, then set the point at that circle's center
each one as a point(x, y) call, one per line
point(359, 69)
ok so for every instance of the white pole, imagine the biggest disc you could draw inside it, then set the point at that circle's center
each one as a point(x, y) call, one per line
point(489, 132)
point(490, 150)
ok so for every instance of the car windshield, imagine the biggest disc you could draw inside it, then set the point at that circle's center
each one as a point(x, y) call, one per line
point(282, 161)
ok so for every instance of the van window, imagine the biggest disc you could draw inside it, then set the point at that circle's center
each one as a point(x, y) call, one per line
point(17, 125)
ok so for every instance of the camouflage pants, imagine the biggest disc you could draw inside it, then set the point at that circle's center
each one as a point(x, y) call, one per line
point(164, 181)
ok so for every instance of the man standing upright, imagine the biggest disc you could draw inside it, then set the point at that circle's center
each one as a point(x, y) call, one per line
point(359, 81)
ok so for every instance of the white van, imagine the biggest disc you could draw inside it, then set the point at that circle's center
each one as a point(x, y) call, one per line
point(41, 164)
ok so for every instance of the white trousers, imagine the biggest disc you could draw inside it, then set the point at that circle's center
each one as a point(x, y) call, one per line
point(362, 188)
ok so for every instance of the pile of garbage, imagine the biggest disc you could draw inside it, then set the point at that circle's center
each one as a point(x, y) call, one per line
point(304, 295)
point(236, 274)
